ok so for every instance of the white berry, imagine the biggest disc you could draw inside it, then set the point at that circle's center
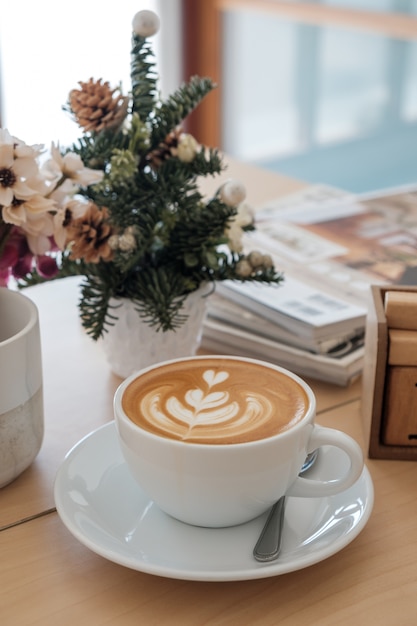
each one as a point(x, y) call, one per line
point(232, 193)
point(145, 23)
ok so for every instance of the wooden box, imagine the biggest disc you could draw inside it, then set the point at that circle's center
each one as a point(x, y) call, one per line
point(378, 381)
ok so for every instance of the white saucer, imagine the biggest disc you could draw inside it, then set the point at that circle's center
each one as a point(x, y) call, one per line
point(105, 509)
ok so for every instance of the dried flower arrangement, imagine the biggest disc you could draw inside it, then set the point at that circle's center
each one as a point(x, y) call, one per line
point(121, 207)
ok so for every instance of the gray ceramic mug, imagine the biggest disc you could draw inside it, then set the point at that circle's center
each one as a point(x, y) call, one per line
point(21, 392)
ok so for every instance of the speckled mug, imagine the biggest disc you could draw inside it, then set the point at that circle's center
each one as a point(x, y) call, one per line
point(21, 393)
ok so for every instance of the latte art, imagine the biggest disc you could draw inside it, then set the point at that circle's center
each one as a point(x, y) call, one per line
point(214, 401)
point(205, 412)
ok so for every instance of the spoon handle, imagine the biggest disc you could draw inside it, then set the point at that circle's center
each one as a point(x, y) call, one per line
point(268, 546)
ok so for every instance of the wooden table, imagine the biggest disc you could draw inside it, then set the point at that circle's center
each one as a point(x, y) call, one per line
point(47, 576)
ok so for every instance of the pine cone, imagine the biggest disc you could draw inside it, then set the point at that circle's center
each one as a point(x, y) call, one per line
point(89, 235)
point(166, 149)
point(96, 106)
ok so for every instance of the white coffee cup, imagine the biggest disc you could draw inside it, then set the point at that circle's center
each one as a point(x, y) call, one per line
point(207, 483)
point(21, 393)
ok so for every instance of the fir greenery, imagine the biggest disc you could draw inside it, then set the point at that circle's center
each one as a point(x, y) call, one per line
point(177, 239)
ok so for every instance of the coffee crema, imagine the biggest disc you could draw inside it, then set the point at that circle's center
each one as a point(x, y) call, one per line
point(217, 401)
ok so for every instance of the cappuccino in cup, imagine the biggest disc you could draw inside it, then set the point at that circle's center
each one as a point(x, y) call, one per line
point(216, 440)
point(215, 402)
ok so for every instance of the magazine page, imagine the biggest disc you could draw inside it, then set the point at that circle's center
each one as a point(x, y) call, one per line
point(225, 310)
point(340, 241)
point(298, 307)
point(224, 338)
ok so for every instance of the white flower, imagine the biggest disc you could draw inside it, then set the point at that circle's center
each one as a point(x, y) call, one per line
point(72, 210)
point(232, 193)
point(145, 23)
point(23, 151)
point(39, 228)
point(187, 148)
point(17, 163)
point(63, 193)
point(71, 166)
point(19, 212)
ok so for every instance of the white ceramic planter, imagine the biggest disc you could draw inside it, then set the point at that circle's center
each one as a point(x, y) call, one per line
point(21, 398)
point(132, 344)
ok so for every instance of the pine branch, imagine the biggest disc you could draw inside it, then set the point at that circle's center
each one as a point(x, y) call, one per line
point(95, 150)
point(143, 77)
point(124, 201)
point(94, 306)
point(197, 235)
point(67, 267)
point(166, 238)
point(163, 293)
point(178, 106)
point(5, 230)
point(207, 162)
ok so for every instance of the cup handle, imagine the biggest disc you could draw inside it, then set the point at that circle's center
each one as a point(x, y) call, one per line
point(306, 488)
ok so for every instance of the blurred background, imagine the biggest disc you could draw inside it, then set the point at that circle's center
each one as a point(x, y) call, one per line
point(325, 90)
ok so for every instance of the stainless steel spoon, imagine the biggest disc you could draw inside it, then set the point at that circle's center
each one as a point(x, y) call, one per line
point(268, 546)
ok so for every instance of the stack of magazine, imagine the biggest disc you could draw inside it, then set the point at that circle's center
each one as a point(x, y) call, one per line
point(331, 246)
